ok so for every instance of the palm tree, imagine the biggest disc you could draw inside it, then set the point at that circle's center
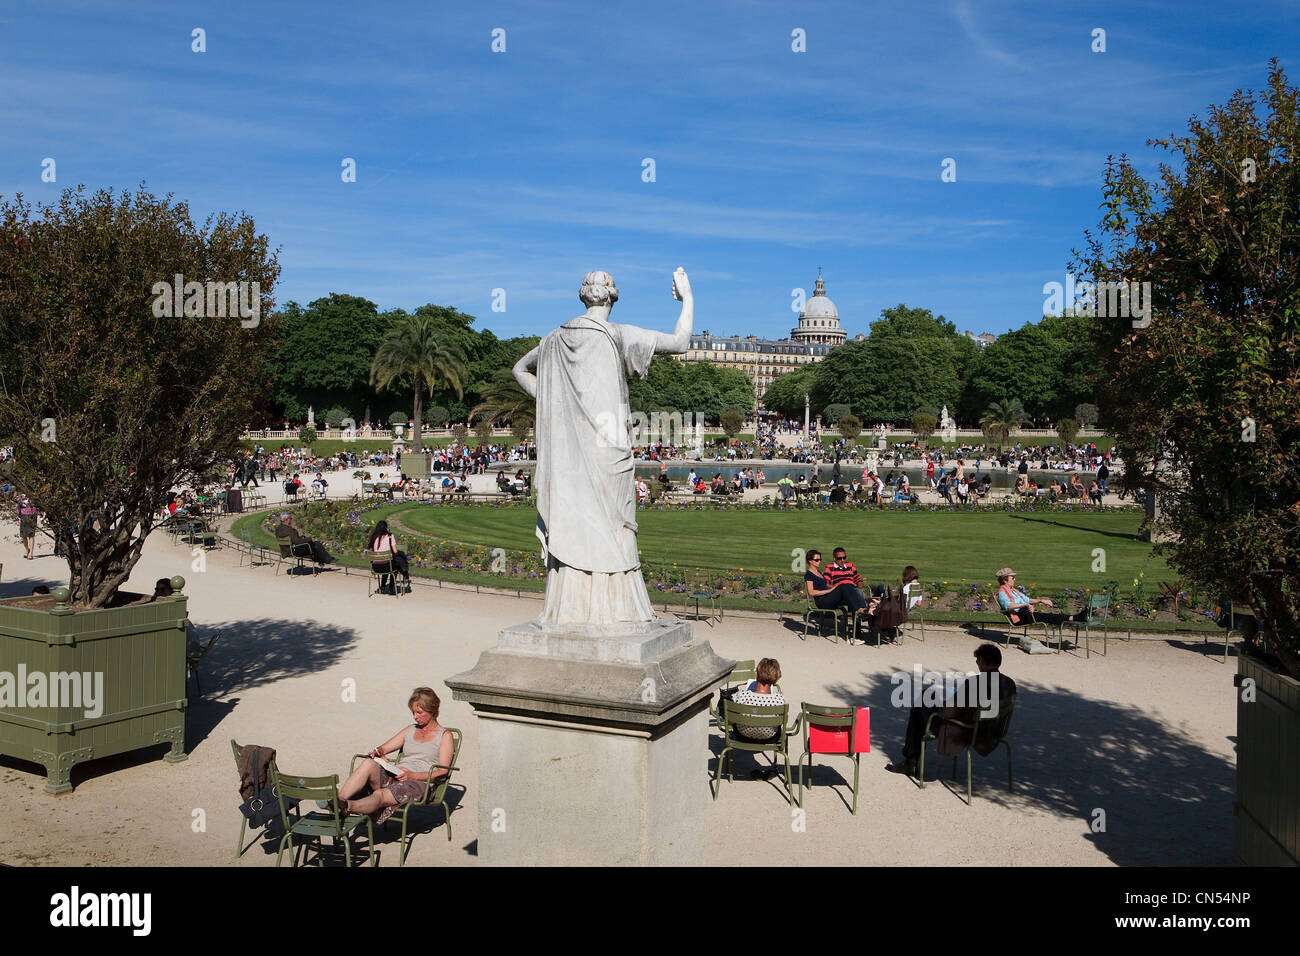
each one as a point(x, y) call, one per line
point(505, 400)
point(1001, 418)
point(416, 346)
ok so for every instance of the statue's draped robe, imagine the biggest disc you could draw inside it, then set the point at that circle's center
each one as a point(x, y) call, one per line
point(586, 497)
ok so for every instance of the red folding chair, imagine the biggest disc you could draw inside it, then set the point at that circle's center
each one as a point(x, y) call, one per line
point(837, 732)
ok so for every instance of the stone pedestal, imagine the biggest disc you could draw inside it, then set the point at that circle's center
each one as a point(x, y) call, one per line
point(593, 746)
point(415, 466)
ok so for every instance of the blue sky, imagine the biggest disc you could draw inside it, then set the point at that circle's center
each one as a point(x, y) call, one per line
point(522, 170)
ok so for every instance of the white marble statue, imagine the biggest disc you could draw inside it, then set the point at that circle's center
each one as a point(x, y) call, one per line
point(586, 504)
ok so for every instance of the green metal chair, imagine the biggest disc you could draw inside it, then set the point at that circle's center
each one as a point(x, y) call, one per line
point(299, 553)
point(832, 731)
point(240, 849)
point(1232, 629)
point(742, 672)
point(314, 826)
point(837, 614)
point(1098, 616)
point(916, 616)
point(1034, 623)
point(194, 655)
point(435, 794)
point(736, 716)
point(992, 728)
point(380, 573)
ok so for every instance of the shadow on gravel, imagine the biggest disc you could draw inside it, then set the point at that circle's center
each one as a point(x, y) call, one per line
point(1166, 801)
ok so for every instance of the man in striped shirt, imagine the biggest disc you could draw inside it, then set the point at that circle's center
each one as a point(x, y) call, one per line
point(843, 572)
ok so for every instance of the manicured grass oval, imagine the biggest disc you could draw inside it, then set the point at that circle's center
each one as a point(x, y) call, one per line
point(1052, 550)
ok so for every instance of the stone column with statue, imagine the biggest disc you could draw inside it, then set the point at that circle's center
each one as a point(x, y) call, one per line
point(597, 677)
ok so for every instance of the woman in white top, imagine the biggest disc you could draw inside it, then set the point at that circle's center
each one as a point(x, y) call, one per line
point(912, 587)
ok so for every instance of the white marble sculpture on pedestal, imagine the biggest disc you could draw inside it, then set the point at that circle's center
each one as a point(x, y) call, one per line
point(586, 500)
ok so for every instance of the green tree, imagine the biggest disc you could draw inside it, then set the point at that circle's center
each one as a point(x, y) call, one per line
point(833, 413)
point(1086, 414)
point(483, 431)
point(1000, 419)
point(307, 435)
point(732, 422)
point(785, 394)
point(333, 417)
point(503, 399)
point(324, 354)
point(1023, 365)
point(951, 355)
point(138, 402)
point(1068, 430)
point(674, 386)
point(923, 425)
point(850, 427)
point(911, 323)
point(436, 415)
point(1212, 383)
point(417, 346)
point(883, 379)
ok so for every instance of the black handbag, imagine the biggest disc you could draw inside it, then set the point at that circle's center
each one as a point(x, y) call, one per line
point(263, 808)
point(892, 612)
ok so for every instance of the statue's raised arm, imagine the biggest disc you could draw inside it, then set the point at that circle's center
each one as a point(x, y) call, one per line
point(680, 338)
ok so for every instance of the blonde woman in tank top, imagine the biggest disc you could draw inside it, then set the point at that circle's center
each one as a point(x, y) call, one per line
point(423, 744)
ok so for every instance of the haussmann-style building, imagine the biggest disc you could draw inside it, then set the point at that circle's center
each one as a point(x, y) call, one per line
point(763, 360)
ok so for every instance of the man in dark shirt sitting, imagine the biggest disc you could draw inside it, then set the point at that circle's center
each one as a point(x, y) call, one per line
point(976, 690)
point(286, 531)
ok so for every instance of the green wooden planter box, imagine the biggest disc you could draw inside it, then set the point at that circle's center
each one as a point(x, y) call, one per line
point(1268, 767)
point(134, 654)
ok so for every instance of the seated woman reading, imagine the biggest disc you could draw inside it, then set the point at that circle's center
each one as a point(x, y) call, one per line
point(423, 744)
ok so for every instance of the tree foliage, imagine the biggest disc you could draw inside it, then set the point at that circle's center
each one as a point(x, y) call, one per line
point(333, 417)
point(419, 346)
point(1000, 419)
point(924, 424)
point(138, 403)
point(786, 393)
point(700, 387)
point(325, 353)
point(850, 427)
point(732, 422)
point(1068, 430)
point(833, 413)
point(1210, 389)
point(884, 379)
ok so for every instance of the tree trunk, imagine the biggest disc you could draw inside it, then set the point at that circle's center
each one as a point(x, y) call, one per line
point(417, 447)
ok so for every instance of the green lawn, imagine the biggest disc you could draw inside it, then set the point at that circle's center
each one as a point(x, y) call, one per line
point(1051, 551)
